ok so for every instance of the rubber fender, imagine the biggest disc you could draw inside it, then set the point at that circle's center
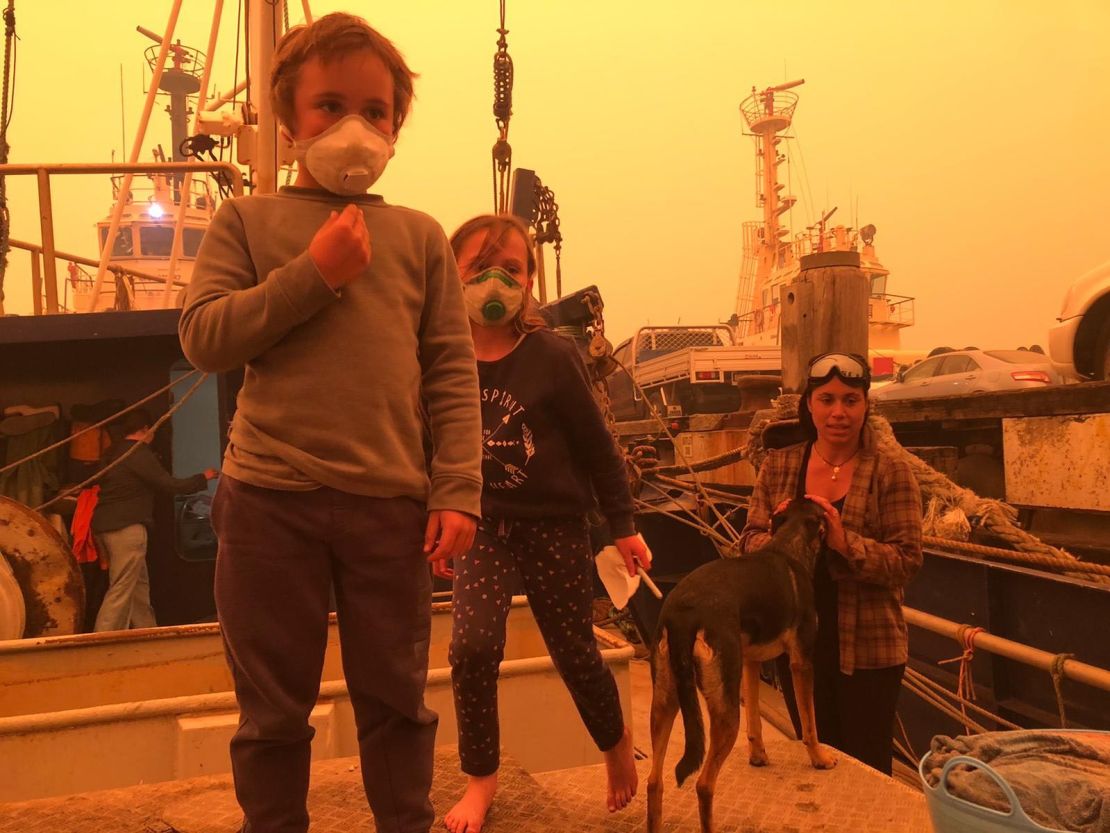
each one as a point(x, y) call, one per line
point(47, 573)
point(13, 612)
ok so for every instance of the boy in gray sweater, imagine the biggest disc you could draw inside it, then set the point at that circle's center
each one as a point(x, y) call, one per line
point(346, 312)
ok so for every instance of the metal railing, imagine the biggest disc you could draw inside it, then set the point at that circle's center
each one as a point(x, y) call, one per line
point(651, 342)
point(758, 320)
point(47, 270)
point(900, 310)
point(37, 295)
point(767, 104)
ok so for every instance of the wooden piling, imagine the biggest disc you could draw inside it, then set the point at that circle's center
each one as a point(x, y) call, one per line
point(824, 309)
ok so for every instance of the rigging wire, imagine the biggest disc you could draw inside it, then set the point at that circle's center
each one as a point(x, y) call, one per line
point(807, 191)
point(7, 108)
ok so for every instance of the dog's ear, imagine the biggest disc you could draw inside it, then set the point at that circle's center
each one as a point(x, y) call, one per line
point(815, 520)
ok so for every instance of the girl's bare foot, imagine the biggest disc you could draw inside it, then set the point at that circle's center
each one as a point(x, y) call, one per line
point(620, 767)
point(469, 814)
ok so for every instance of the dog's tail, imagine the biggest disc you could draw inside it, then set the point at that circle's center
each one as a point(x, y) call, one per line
point(681, 643)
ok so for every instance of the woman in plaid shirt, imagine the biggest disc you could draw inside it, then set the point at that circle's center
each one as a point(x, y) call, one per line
point(873, 549)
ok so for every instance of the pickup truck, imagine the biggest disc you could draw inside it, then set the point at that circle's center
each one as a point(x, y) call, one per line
point(687, 370)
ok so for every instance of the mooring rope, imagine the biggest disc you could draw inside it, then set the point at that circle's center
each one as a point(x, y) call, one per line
point(1057, 674)
point(100, 424)
point(1067, 565)
point(965, 683)
point(707, 464)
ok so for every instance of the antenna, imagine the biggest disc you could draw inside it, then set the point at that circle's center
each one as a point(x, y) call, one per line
point(122, 117)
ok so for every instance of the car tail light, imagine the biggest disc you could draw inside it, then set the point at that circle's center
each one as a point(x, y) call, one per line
point(1031, 376)
point(706, 375)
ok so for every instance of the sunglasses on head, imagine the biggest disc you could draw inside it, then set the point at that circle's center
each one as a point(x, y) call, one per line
point(847, 365)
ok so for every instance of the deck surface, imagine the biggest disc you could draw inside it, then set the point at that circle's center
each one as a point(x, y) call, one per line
point(786, 797)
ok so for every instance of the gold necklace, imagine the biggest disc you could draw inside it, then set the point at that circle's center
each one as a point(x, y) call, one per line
point(835, 466)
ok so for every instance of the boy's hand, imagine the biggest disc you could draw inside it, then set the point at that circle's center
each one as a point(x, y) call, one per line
point(449, 535)
point(341, 247)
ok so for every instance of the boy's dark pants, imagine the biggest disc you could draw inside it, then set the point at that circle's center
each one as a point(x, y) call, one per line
point(280, 552)
point(554, 559)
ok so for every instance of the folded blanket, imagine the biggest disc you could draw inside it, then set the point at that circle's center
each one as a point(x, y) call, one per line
point(1062, 779)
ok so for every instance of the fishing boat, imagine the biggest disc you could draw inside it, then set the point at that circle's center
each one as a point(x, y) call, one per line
point(772, 253)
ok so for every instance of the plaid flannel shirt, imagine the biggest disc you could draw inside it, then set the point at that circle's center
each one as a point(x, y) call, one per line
point(882, 524)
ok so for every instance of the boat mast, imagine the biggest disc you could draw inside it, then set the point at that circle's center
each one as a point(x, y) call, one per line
point(767, 114)
point(265, 27)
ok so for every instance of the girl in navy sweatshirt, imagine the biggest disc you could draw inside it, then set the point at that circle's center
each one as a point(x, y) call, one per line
point(546, 454)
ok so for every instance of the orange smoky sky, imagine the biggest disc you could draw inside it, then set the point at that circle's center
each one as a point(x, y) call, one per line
point(970, 132)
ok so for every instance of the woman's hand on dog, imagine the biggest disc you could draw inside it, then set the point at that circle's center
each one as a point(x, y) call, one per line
point(835, 537)
point(633, 549)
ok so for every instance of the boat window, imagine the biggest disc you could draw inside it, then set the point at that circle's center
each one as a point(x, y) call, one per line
point(156, 241)
point(878, 286)
point(191, 243)
point(124, 246)
point(921, 372)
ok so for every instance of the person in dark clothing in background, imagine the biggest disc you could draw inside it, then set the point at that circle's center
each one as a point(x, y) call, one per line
point(123, 513)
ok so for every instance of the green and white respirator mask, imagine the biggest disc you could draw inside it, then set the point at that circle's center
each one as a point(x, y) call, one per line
point(493, 298)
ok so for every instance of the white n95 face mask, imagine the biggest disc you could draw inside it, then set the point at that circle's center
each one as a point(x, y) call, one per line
point(348, 157)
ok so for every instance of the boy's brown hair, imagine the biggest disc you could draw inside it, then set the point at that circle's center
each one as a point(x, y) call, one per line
point(497, 228)
point(328, 38)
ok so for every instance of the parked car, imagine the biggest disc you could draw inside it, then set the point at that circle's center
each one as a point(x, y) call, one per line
point(1080, 343)
point(971, 371)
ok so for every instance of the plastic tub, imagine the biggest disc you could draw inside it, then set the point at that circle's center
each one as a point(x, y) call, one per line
point(951, 814)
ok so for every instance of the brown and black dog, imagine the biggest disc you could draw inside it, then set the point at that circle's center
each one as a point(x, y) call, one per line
point(717, 626)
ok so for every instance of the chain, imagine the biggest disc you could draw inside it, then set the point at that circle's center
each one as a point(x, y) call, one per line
point(600, 350)
point(546, 222)
point(502, 112)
